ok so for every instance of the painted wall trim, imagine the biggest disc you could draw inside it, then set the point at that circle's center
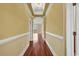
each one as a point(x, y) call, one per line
point(51, 49)
point(30, 14)
point(50, 5)
point(54, 35)
point(69, 30)
point(24, 50)
point(77, 30)
point(9, 39)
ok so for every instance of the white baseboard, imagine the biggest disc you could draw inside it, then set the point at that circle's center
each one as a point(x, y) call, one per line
point(9, 39)
point(55, 36)
point(51, 49)
point(24, 49)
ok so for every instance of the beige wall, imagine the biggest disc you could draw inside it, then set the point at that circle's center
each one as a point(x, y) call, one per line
point(14, 48)
point(55, 23)
point(54, 19)
point(13, 20)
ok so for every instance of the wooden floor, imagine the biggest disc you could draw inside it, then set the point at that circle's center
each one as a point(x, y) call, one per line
point(38, 48)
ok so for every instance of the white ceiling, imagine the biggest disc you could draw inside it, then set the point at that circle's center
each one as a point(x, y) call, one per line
point(38, 8)
point(38, 20)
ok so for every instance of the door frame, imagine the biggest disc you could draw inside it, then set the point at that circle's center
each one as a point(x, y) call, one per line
point(77, 30)
point(69, 30)
point(31, 29)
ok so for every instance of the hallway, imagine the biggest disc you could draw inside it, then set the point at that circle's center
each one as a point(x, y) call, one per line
point(38, 48)
point(38, 29)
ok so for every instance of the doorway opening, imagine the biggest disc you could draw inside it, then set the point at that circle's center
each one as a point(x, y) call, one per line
point(38, 27)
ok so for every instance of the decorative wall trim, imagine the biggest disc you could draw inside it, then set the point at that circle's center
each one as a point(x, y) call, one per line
point(30, 14)
point(69, 30)
point(24, 50)
point(77, 30)
point(54, 35)
point(9, 39)
point(50, 5)
point(51, 49)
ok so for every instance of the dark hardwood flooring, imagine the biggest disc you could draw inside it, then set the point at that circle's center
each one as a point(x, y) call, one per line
point(39, 48)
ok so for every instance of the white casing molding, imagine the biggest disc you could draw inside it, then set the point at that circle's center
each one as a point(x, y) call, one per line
point(50, 5)
point(77, 29)
point(69, 30)
point(9, 39)
point(30, 14)
point(55, 36)
point(24, 50)
point(51, 49)
point(31, 29)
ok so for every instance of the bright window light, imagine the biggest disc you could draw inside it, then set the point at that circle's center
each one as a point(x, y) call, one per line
point(38, 8)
